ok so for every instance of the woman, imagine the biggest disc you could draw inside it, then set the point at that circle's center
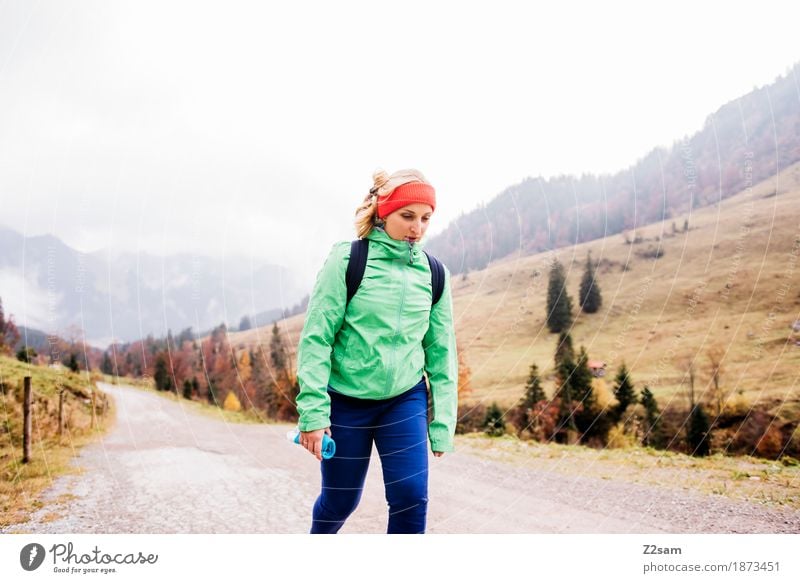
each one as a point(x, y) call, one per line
point(360, 364)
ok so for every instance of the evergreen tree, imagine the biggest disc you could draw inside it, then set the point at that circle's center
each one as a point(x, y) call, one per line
point(698, 434)
point(589, 295)
point(160, 373)
point(523, 415)
point(187, 389)
point(564, 349)
point(565, 393)
point(589, 419)
point(26, 354)
point(73, 363)
point(277, 351)
point(623, 391)
point(107, 367)
point(559, 304)
point(493, 421)
point(653, 436)
point(211, 395)
point(195, 385)
point(244, 323)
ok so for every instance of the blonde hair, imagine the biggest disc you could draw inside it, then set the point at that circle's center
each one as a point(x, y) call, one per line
point(383, 184)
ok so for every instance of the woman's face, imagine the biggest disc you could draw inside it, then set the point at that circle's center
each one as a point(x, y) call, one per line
point(409, 222)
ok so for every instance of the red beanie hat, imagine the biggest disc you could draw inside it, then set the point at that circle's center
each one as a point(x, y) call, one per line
point(405, 194)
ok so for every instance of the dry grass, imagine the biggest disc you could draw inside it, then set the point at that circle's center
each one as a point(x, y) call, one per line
point(22, 484)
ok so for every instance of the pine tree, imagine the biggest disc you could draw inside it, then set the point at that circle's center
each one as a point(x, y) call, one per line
point(107, 367)
point(73, 363)
point(244, 323)
point(589, 419)
point(277, 351)
point(493, 421)
point(559, 304)
point(652, 436)
point(160, 373)
point(623, 391)
point(698, 433)
point(564, 349)
point(589, 295)
point(187, 389)
point(523, 416)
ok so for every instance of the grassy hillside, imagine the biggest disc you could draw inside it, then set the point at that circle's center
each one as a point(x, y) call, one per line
point(21, 484)
point(730, 283)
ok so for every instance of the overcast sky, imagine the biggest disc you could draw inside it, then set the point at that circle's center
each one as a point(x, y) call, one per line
point(238, 128)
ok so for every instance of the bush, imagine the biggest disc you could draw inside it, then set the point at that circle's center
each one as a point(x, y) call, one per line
point(470, 418)
point(619, 438)
point(493, 421)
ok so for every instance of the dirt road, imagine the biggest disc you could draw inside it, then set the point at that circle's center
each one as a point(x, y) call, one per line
point(165, 469)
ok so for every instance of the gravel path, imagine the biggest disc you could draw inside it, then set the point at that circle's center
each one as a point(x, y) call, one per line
point(166, 469)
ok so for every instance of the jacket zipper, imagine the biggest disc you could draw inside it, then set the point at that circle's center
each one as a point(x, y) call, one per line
point(397, 331)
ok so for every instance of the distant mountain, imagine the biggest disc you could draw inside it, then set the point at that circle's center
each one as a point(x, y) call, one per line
point(130, 296)
point(745, 141)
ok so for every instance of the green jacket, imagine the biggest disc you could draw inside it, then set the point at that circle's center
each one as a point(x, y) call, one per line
point(380, 345)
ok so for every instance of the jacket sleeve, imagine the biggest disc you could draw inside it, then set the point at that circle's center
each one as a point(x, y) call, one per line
point(441, 366)
point(324, 317)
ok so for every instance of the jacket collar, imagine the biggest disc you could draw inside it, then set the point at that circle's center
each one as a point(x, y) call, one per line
point(389, 248)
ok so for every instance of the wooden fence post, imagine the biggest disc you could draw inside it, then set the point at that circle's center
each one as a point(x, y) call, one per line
point(61, 411)
point(94, 418)
point(26, 426)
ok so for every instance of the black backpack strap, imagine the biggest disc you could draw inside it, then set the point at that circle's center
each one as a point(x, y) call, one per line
point(356, 266)
point(437, 277)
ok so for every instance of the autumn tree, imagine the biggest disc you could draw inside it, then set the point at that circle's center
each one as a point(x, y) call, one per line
point(9, 334)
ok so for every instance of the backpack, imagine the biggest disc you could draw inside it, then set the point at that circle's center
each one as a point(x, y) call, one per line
point(358, 263)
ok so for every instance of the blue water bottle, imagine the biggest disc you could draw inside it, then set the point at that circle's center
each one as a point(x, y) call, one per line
point(328, 445)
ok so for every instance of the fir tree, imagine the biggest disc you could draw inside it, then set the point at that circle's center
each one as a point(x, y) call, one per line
point(698, 433)
point(623, 391)
point(187, 389)
point(589, 295)
point(652, 436)
point(160, 373)
point(589, 419)
point(559, 304)
point(277, 351)
point(564, 349)
point(73, 363)
point(107, 367)
point(523, 415)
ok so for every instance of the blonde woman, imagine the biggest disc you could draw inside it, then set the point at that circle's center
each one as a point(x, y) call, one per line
point(363, 361)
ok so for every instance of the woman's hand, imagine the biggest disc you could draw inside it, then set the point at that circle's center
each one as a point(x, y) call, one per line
point(438, 453)
point(312, 441)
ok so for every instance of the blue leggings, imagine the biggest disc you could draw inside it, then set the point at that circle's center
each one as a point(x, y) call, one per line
point(399, 427)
